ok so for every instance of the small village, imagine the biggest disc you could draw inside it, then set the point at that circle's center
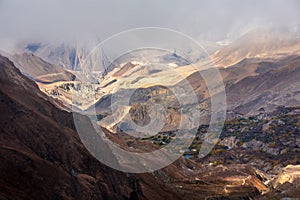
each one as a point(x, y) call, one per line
point(266, 140)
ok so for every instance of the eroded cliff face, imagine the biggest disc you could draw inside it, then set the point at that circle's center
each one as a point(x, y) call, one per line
point(289, 174)
point(286, 184)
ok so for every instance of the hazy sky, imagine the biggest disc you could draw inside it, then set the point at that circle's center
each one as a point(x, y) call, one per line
point(50, 20)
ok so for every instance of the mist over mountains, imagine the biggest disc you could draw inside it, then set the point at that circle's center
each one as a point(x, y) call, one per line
point(80, 21)
point(54, 75)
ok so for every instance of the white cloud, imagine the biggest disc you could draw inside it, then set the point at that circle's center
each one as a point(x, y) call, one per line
point(35, 20)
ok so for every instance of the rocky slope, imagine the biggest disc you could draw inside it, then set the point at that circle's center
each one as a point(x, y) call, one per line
point(258, 43)
point(274, 84)
point(39, 70)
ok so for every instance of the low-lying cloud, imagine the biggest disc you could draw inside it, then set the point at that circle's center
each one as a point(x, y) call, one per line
point(79, 20)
